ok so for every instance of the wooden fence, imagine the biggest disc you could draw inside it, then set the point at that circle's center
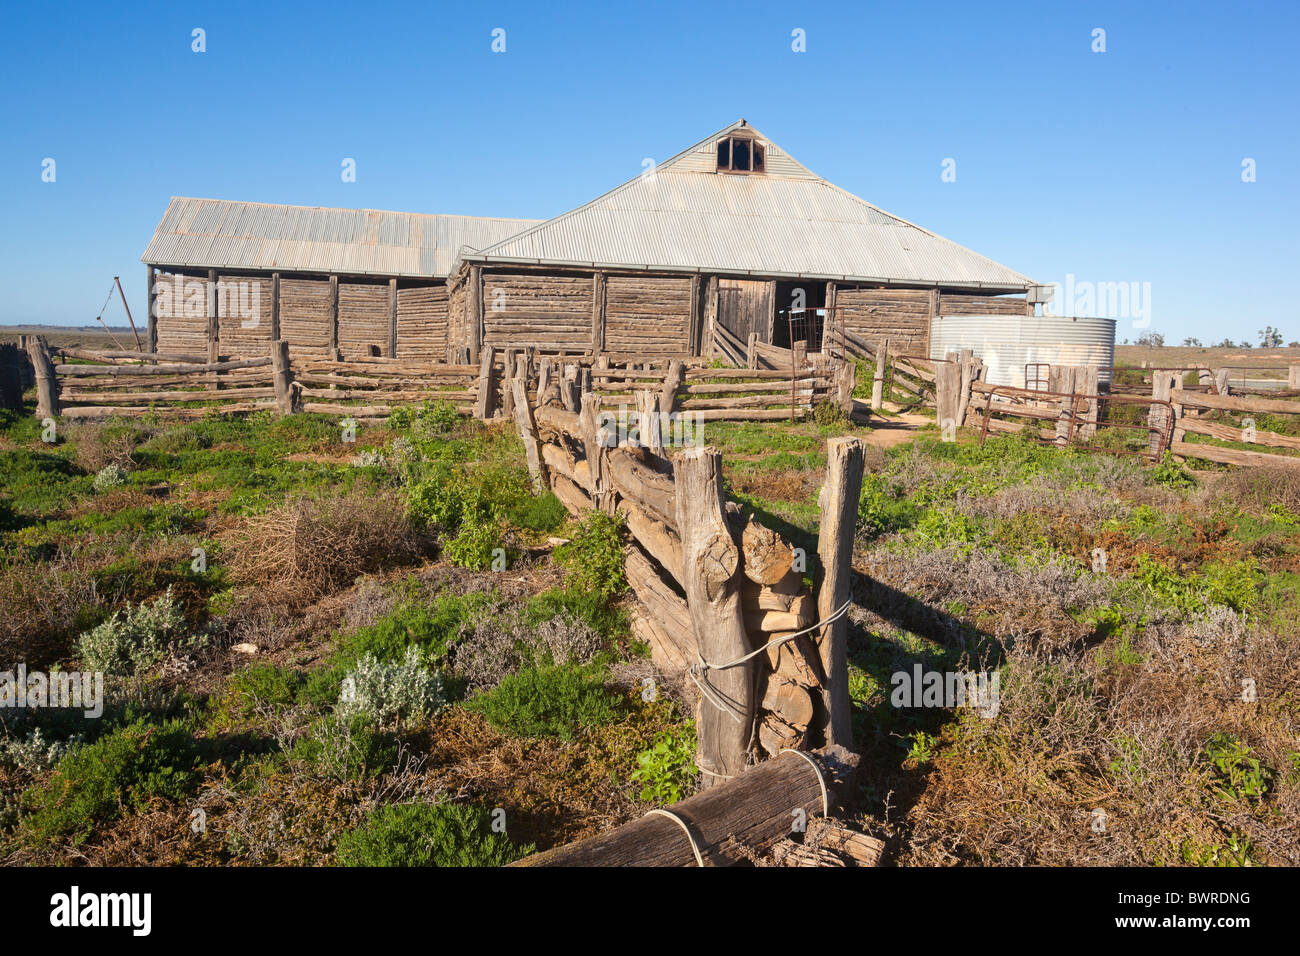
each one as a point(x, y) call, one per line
point(96, 384)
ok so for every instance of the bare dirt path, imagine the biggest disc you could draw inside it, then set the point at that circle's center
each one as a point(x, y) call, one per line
point(894, 430)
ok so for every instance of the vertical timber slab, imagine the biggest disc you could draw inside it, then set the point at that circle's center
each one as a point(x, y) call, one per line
point(333, 344)
point(275, 307)
point(934, 313)
point(707, 346)
point(214, 336)
point(152, 334)
point(673, 379)
point(832, 322)
point(474, 312)
point(507, 390)
point(485, 402)
point(1162, 385)
point(392, 318)
point(280, 377)
point(947, 386)
point(838, 500)
point(771, 311)
point(598, 313)
point(693, 341)
point(878, 379)
point(711, 565)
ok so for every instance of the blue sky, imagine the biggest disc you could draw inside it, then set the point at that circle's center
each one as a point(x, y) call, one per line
point(1122, 166)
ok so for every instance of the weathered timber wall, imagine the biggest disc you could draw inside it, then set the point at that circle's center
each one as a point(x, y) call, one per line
point(648, 315)
point(551, 312)
point(900, 315)
point(305, 315)
point(956, 303)
point(182, 305)
point(363, 317)
point(422, 322)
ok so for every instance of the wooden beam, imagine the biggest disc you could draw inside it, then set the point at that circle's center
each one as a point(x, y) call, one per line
point(710, 565)
point(845, 463)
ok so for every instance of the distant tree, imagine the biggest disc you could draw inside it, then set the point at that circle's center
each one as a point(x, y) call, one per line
point(1269, 338)
point(1243, 344)
point(1225, 344)
point(1293, 345)
point(1153, 340)
point(1192, 342)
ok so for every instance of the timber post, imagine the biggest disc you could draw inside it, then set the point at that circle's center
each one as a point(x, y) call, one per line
point(710, 568)
point(838, 500)
point(878, 379)
point(947, 386)
point(151, 317)
point(485, 402)
point(282, 377)
point(47, 387)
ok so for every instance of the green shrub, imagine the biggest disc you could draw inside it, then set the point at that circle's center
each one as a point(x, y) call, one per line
point(421, 834)
point(540, 513)
point(347, 748)
point(135, 641)
point(431, 625)
point(590, 607)
point(880, 509)
point(553, 701)
point(124, 769)
point(667, 769)
point(593, 558)
point(392, 693)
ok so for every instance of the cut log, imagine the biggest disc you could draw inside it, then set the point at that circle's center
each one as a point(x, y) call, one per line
point(753, 811)
point(768, 558)
point(790, 702)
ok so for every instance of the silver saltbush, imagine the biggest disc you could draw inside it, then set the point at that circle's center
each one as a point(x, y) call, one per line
point(144, 636)
point(109, 477)
point(392, 693)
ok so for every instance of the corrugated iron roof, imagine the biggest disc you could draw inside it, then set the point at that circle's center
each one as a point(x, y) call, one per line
point(784, 221)
point(219, 234)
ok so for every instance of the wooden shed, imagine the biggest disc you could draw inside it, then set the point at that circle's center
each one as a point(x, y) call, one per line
point(231, 277)
point(730, 237)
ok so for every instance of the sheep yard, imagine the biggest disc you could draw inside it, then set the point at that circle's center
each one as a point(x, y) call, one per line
point(387, 646)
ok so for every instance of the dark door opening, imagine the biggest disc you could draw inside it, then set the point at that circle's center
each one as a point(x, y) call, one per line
point(800, 314)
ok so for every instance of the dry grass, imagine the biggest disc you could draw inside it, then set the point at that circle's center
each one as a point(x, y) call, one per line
point(316, 545)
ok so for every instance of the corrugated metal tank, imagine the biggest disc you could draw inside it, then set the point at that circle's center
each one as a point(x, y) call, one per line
point(1007, 343)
